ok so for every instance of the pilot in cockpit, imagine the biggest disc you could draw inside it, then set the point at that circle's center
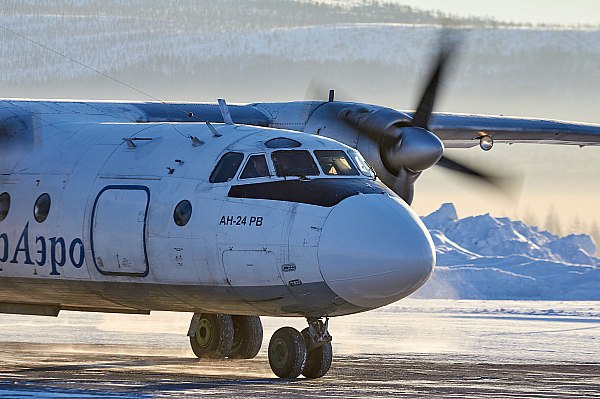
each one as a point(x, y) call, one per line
point(256, 167)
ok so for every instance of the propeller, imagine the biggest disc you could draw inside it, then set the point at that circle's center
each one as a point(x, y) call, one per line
point(407, 145)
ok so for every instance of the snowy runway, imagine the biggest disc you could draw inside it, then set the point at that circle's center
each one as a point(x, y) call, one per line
point(411, 349)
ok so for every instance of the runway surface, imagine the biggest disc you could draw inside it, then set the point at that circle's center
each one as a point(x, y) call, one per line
point(413, 349)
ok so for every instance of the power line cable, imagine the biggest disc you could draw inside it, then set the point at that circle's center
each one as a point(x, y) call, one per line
point(190, 114)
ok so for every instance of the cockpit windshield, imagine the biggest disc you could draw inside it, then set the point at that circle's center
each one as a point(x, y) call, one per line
point(364, 167)
point(294, 163)
point(227, 167)
point(255, 167)
point(335, 162)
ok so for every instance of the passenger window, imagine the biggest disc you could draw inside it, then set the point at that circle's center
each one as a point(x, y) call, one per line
point(294, 163)
point(227, 167)
point(4, 205)
point(364, 167)
point(182, 213)
point(335, 162)
point(41, 208)
point(282, 142)
point(255, 167)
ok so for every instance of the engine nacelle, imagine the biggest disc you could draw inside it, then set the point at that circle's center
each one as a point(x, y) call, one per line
point(396, 151)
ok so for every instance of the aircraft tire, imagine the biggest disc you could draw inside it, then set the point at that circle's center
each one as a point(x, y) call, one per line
point(247, 337)
point(213, 336)
point(318, 360)
point(287, 353)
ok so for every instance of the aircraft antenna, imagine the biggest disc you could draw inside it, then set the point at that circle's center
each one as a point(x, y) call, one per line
point(225, 111)
point(191, 115)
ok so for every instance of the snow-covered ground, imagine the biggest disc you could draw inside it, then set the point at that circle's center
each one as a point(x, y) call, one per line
point(414, 348)
point(483, 257)
point(509, 330)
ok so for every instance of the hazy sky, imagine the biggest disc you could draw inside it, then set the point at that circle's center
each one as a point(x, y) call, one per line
point(565, 12)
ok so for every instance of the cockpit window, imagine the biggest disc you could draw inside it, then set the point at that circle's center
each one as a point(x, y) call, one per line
point(255, 167)
point(335, 162)
point(227, 167)
point(363, 166)
point(294, 163)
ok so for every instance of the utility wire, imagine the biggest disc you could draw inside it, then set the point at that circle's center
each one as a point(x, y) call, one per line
point(95, 70)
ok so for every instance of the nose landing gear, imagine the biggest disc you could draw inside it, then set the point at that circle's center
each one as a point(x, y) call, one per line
point(319, 350)
point(309, 353)
point(287, 353)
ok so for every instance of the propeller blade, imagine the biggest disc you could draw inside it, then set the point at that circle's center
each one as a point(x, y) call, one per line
point(315, 90)
point(406, 145)
point(425, 108)
point(318, 90)
point(504, 183)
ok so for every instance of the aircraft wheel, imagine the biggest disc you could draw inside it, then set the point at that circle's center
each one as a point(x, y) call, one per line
point(287, 353)
point(247, 337)
point(318, 360)
point(213, 336)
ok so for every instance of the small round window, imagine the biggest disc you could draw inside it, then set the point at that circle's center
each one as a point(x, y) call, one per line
point(4, 205)
point(42, 207)
point(282, 142)
point(182, 213)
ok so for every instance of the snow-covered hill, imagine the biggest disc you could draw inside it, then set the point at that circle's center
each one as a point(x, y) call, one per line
point(483, 257)
point(203, 49)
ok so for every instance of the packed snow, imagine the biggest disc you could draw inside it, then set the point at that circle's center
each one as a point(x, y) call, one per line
point(413, 348)
point(485, 257)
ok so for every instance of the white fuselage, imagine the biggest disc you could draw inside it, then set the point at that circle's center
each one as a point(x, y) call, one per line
point(325, 245)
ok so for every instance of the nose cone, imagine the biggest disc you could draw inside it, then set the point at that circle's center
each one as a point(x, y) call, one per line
point(374, 250)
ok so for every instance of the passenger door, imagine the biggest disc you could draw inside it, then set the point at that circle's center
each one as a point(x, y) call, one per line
point(118, 233)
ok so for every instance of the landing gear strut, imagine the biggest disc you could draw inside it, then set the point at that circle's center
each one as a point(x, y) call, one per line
point(309, 353)
point(319, 350)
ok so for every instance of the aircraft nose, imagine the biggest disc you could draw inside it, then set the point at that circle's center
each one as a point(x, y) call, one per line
point(374, 250)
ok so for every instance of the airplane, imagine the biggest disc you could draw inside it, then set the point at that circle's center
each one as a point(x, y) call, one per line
point(230, 212)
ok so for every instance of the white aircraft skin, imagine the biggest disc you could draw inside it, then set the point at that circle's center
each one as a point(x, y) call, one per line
point(312, 246)
point(236, 255)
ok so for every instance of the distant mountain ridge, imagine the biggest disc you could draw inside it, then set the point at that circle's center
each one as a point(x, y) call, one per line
point(238, 15)
point(483, 257)
point(269, 50)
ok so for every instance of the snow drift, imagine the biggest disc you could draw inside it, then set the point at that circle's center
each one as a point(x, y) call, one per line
point(483, 257)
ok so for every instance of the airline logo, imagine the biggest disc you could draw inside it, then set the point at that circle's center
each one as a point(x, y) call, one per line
point(41, 251)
